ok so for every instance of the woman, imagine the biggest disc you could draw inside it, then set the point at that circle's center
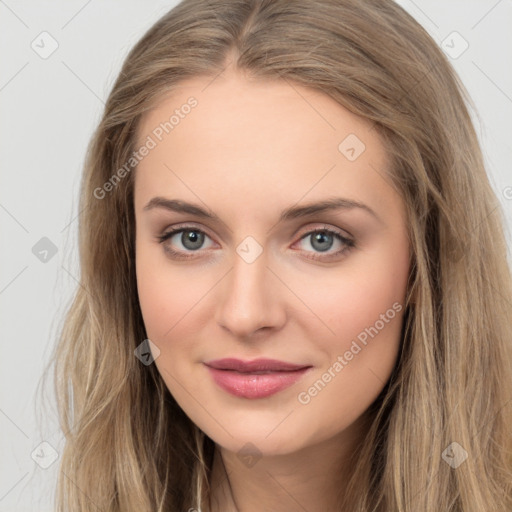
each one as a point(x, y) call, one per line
point(295, 292)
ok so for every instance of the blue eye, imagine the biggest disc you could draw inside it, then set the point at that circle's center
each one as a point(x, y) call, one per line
point(322, 240)
point(192, 241)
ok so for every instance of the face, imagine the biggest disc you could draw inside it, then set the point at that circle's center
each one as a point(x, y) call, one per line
point(267, 228)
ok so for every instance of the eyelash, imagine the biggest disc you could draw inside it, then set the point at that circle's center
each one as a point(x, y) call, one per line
point(349, 244)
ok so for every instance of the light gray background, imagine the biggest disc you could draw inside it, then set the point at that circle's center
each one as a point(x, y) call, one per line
point(49, 108)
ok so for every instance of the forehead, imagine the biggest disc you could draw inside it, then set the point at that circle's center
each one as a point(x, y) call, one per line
point(250, 110)
point(261, 137)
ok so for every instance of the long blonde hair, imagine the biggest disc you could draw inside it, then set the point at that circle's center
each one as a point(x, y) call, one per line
point(129, 446)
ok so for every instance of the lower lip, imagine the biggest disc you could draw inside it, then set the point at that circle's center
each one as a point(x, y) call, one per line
point(251, 385)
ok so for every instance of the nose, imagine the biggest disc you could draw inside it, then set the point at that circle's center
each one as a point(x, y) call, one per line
point(250, 299)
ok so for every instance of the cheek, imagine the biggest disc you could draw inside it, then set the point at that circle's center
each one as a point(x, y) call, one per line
point(167, 293)
point(349, 301)
point(359, 359)
point(157, 301)
point(362, 313)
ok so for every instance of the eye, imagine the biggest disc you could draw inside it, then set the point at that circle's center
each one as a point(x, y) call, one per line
point(186, 239)
point(183, 241)
point(323, 240)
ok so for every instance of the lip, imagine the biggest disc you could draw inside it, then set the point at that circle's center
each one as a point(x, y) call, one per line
point(259, 378)
point(264, 365)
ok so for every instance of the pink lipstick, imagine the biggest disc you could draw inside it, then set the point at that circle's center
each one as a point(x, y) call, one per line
point(255, 379)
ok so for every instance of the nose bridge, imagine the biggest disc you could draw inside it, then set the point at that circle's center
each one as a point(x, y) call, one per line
point(249, 299)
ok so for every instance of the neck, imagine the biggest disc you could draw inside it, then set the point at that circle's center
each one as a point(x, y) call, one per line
point(312, 478)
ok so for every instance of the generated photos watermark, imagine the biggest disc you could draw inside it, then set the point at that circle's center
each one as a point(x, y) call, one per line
point(305, 397)
point(151, 142)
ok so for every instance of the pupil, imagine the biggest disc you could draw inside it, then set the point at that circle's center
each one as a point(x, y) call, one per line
point(319, 238)
point(192, 239)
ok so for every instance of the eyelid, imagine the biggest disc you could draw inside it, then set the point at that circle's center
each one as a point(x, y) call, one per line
point(184, 227)
point(325, 227)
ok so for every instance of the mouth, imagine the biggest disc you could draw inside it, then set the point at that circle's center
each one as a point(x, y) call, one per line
point(255, 379)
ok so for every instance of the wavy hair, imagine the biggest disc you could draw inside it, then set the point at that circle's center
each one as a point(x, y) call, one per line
point(129, 447)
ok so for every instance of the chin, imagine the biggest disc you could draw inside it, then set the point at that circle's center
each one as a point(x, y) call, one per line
point(247, 445)
point(267, 438)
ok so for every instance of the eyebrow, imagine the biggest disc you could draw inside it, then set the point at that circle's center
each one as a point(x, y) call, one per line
point(290, 213)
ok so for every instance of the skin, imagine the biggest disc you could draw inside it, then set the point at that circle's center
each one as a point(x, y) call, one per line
point(246, 152)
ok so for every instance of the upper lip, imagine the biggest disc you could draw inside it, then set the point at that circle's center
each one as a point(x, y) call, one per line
point(255, 365)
